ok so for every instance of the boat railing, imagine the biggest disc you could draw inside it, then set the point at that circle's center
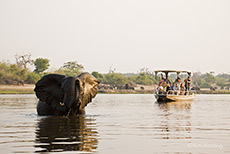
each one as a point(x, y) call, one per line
point(176, 92)
point(179, 92)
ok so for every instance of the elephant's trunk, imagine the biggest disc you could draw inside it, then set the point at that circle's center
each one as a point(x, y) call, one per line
point(71, 98)
point(74, 104)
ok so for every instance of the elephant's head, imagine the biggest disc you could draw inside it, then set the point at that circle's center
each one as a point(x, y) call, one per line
point(64, 93)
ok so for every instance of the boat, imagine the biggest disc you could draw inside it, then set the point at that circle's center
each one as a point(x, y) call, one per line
point(172, 95)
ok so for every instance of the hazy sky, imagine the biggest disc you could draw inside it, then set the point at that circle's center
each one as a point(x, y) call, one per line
point(125, 34)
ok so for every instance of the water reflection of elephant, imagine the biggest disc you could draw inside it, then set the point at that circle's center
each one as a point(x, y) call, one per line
point(56, 134)
point(175, 120)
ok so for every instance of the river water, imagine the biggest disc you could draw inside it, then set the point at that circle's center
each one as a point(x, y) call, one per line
point(118, 123)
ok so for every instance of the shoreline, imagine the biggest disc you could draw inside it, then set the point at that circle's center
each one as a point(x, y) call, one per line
point(14, 89)
point(29, 89)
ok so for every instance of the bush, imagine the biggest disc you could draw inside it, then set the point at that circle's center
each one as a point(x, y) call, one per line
point(114, 79)
point(205, 85)
point(32, 78)
point(99, 76)
point(12, 74)
point(144, 79)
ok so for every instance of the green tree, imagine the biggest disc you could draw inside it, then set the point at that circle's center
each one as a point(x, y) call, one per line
point(41, 64)
point(145, 79)
point(99, 76)
point(205, 85)
point(210, 78)
point(115, 79)
point(73, 65)
point(221, 83)
point(70, 69)
point(11, 73)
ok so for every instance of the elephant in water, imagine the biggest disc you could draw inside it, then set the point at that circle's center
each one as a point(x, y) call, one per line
point(62, 95)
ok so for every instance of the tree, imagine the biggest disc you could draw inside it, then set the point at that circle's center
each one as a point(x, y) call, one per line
point(209, 78)
point(23, 60)
point(73, 65)
point(146, 71)
point(145, 79)
point(112, 70)
point(114, 79)
point(99, 76)
point(12, 74)
point(205, 85)
point(41, 64)
point(70, 69)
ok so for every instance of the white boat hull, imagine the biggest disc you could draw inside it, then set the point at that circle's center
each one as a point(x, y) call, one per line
point(181, 97)
point(168, 97)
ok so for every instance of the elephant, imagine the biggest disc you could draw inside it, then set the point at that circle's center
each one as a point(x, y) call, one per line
point(65, 95)
point(19, 82)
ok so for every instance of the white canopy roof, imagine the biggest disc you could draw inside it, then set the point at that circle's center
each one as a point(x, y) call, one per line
point(172, 71)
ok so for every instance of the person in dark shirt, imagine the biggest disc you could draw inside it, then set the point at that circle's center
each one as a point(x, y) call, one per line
point(168, 81)
point(188, 82)
point(178, 81)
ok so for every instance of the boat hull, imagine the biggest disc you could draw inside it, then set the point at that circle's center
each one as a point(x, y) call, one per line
point(170, 98)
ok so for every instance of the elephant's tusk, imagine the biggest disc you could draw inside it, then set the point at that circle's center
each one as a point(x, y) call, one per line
point(62, 104)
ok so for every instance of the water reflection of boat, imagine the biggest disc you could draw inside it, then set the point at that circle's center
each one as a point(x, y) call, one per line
point(172, 95)
point(76, 133)
point(175, 120)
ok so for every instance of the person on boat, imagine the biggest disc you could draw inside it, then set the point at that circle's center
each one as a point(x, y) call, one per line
point(160, 88)
point(188, 84)
point(173, 87)
point(178, 81)
point(164, 87)
point(182, 89)
point(162, 79)
point(167, 80)
point(168, 88)
point(177, 89)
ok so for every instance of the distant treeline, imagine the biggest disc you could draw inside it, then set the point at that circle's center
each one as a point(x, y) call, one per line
point(209, 80)
point(12, 74)
point(18, 74)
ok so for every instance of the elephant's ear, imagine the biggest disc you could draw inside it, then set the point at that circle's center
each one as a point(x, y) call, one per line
point(88, 87)
point(48, 88)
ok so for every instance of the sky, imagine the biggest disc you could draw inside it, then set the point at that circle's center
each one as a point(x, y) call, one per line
point(123, 34)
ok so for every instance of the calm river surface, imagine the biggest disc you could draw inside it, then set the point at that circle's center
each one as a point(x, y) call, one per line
point(118, 123)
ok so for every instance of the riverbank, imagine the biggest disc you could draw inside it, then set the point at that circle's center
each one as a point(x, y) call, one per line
point(13, 89)
point(152, 92)
point(126, 91)
point(213, 92)
point(29, 89)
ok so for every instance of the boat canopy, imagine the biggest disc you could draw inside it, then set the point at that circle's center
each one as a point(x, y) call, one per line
point(172, 71)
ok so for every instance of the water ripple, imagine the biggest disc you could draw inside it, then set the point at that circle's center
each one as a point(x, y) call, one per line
point(118, 124)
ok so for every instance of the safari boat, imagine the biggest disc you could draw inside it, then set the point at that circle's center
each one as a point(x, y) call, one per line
point(172, 95)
